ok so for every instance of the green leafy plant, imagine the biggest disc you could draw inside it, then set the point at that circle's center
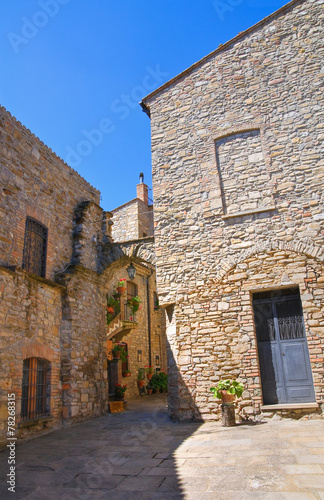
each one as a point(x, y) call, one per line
point(134, 302)
point(113, 308)
point(149, 369)
point(140, 374)
point(230, 386)
point(120, 348)
point(159, 382)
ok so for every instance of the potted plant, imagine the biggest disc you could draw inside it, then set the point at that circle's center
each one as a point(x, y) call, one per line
point(118, 352)
point(121, 286)
point(126, 373)
point(140, 379)
point(120, 391)
point(227, 390)
point(134, 302)
point(149, 388)
point(149, 371)
point(112, 305)
point(159, 382)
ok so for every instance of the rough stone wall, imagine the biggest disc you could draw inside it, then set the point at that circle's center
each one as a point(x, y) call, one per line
point(132, 221)
point(83, 346)
point(244, 176)
point(30, 316)
point(36, 183)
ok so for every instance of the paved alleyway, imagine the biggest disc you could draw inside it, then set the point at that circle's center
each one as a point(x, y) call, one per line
point(142, 455)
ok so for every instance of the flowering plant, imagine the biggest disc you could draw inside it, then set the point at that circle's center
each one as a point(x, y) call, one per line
point(120, 389)
point(149, 369)
point(134, 302)
point(121, 282)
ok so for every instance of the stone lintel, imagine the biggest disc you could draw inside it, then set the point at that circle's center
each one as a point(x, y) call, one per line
point(249, 212)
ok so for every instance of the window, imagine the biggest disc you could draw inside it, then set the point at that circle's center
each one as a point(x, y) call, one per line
point(36, 388)
point(156, 302)
point(131, 290)
point(34, 259)
point(125, 366)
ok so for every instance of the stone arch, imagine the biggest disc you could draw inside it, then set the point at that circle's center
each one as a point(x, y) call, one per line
point(298, 246)
point(141, 250)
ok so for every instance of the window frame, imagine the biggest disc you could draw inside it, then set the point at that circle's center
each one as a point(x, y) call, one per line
point(35, 261)
point(36, 389)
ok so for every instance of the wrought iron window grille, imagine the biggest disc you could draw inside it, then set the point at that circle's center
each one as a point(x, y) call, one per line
point(35, 247)
point(36, 389)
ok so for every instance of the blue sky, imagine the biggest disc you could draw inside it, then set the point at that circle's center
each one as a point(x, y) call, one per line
point(73, 72)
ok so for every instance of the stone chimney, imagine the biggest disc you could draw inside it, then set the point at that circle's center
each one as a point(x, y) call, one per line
point(142, 190)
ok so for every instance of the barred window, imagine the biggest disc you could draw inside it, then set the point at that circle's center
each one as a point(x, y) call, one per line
point(36, 388)
point(34, 259)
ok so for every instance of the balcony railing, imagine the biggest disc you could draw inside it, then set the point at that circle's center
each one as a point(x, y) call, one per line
point(127, 313)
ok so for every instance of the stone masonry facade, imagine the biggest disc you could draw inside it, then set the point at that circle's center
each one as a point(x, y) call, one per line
point(60, 317)
point(238, 204)
point(134, 219)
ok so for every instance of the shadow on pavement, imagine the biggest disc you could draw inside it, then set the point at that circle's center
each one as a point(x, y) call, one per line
point(120, 456)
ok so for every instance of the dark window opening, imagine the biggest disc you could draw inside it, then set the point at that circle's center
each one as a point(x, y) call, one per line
point(36, 388)
point(156, 302)
point(34, 258)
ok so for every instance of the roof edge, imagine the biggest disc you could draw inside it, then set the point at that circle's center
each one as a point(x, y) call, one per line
point(219, 49)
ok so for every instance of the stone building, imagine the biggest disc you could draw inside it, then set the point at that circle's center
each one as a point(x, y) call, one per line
point(134, 219)
point(58, 263)
point(238, 211)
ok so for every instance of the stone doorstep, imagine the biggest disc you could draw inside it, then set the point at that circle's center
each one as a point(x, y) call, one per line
point(35, 421)
point(292, 406)
point(117, 406)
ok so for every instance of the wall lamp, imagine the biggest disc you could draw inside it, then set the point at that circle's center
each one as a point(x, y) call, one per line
point(131, 271)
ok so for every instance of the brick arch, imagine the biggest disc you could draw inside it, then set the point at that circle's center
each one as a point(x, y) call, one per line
point(305, 247)
point(34, 350)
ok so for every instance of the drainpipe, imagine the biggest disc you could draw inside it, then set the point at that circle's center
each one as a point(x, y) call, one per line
point(149, 318)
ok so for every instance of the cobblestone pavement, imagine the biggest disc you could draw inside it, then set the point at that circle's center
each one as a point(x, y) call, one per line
point(141, 455)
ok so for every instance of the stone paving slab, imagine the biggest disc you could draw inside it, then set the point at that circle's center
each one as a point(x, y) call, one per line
point(141, 455)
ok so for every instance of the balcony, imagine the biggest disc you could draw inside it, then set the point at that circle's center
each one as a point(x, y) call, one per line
point(125, 319)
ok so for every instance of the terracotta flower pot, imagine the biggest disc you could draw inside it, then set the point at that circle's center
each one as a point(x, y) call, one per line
point(116, 354)
point(121, 289)
point(149, 375)
point(140, 384)
point(149, 391)
point(227, 399)
point(126, 374)
point(110, 310)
